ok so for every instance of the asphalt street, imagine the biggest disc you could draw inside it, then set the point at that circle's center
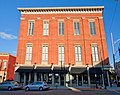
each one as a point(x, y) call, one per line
point(62, 92)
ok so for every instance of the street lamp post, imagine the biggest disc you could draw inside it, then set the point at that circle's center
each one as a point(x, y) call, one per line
point(88, 74)
point(113, 50)
point(32, 72)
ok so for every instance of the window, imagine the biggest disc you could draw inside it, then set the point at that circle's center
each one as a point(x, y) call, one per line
point(29, 52)
point(45, 27)
point(5, 63)
point(30, 27)
point(95, 53)
point(92, 28)
point(61, 53)
point(45, 53)
point(76, 28)
point(78, 53)
point(61, 27)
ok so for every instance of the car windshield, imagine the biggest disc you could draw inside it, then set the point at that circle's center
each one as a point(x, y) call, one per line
point(36, 83)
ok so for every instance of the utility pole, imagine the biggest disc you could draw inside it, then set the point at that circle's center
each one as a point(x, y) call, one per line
point(113, 51)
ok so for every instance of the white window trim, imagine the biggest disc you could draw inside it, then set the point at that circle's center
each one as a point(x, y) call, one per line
point(44, 61)
point(60, 20)
point(95, 45)
point(59, 62)
point(48, 27)
point(73, 27)
point(29, 44)
point(91, 20)
point(28, 27)
point(4, 67)
point(80, 53)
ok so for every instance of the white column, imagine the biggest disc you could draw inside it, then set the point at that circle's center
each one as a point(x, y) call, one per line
point(108, 78)
point(82, 80)
point(35, 77)
point(41, 77)
point(77, 79)
point(46, 77)
point(70, 80)
point(67, 76)
point(24, 79)
point(29, 77)
point(59, 80)
point(88, 76)
point(52, 79)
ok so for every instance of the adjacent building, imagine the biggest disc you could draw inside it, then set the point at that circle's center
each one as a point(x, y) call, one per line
point(63, 46)
point(7, 66)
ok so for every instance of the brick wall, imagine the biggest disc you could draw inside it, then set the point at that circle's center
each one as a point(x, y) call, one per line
point(68, 40)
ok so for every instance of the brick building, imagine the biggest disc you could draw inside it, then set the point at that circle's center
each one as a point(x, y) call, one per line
point(7, 66)
point(63, 45)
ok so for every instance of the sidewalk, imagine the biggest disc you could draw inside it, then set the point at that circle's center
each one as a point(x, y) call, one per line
point(115, 89)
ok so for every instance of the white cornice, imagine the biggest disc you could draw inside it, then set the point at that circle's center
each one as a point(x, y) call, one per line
point(57, 10)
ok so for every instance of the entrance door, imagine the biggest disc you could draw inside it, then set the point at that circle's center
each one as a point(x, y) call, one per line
point(79, 80)
point(62, 79)
point(56, 79)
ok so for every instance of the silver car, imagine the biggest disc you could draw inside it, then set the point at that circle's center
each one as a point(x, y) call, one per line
point(37, 86)
point(9, 85)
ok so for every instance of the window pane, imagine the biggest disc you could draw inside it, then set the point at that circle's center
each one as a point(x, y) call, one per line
point(61, 53)
point(61, 27)
point(45, 28)
point(30, 49)
point(5, 63)
point(78, 53)
point(76, 28)
point(45, 53)
point(92, 28)
point(29, 52)
point(30, 27)
point(26, 56)
point(95, 53)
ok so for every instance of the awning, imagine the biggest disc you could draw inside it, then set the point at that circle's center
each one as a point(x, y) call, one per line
point(29, 69)
point(60, 70)
point(77, 70)
point(25, 69)
point(96, 70)
point(43, 69)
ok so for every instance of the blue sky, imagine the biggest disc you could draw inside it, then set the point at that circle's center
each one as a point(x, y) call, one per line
point(10, 19)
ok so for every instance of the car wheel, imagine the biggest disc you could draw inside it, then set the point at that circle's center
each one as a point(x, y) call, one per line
point(9, 88)
point(27, 88)
point(40, 88)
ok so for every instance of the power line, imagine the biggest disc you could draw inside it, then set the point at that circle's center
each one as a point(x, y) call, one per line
point(112, 18)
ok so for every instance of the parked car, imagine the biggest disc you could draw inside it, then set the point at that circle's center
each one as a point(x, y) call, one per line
point(10, 85)
point(37, 86)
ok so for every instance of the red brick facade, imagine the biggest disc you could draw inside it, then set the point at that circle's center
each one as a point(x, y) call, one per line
point(68, 39)
point(8, 70)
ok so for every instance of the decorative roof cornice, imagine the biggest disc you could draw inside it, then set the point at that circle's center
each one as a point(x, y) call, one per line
point(57, 10)
point(4, 54)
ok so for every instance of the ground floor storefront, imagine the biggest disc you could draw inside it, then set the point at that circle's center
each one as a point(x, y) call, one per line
point(75, 76)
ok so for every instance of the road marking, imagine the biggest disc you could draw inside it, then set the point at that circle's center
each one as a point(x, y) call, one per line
point(74, 89)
